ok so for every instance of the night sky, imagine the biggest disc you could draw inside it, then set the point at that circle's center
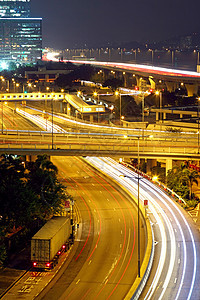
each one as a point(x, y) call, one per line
point(71, 23)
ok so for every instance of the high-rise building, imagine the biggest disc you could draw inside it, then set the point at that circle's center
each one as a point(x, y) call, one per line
point(20, 35)
point(14, 8)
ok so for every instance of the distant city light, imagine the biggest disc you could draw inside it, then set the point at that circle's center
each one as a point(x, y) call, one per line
point(4, 65)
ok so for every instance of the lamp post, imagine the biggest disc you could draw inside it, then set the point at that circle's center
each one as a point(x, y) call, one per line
point(52, 122)
point(151, 50)
point(45, 102)
point(198, 124)
point(138, 202)
point(120, 104)
point(95, 94)
point(143, 107)
point(72, 219)
point(138, 208)
point(2, 117)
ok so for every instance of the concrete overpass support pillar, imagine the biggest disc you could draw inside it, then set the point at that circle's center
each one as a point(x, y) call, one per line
point(139, 81)
point(153, 84)
point(125, 79)
point(192, 89)
point(157, 116)
point(181, 116)
point(68, 109)
point(164, 116)
point(61, 107)
point(91, 118)
point(150, 164)
point(30, 158)
point(171, 86)
point(169, 164)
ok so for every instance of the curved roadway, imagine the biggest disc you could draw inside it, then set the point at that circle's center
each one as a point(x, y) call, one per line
point(176, 269)
point(105, 263)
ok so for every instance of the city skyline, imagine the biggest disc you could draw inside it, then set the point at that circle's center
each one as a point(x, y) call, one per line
point(68, 25)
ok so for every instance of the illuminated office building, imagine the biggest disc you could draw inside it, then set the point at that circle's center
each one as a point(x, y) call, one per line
point(15, 9)
point(20, 35)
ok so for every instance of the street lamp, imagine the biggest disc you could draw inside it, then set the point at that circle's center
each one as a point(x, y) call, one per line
point(117, 93)
point(52, 121)
point(151, 50)
point(2, 117)
point(138, 202)
point(95, 94)
point(29, 85)
point(198, 124)
point(138, 208)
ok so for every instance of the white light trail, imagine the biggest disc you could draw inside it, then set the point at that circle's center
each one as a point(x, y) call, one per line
point(113, 169)
point(150, 132)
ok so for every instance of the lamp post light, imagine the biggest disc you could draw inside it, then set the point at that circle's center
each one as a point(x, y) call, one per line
point(138, 207)
point(151, 50)
point(198, 123)
point(72, 219)
point(2, 117)
point(138, 201)
point(138, 197)
point(117, 93)
point(17, 85)
point(95, 94)
point(29, 85)
point(52, 122)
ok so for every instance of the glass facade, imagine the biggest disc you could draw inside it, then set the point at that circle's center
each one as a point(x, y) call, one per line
point(14, 9)
point(20, 35)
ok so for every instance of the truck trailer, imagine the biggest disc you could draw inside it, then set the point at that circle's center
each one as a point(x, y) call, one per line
point(50, 242)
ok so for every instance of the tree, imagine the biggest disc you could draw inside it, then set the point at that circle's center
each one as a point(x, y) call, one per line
point(42, 178)
point(83, 72)
point(176, 181)
point(16, 199)
point(129, 108)
point(113, 83)
point(159, 171)
point(191, 177)
point(31, 193)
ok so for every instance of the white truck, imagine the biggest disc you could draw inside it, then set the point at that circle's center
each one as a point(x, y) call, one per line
point(50, 242)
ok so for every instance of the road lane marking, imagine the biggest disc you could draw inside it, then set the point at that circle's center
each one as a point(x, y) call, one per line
point(77, 281)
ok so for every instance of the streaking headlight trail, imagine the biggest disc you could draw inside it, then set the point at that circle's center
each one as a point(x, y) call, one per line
point(176, 273)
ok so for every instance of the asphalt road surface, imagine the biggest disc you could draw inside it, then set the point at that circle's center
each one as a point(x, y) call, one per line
point(175, 273)
point(105, 263)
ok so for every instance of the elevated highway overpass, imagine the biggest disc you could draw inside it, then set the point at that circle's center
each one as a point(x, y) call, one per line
point(77, 102)
point(90, 144)
point(86, 139)
point(171, 77)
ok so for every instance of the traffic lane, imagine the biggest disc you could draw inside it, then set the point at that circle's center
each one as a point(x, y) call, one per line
point(101, 265)
point(69, 175)
point(178, 231)
point(110, 248)
point(182, 275)
point(13, 121)
point(65, 140)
